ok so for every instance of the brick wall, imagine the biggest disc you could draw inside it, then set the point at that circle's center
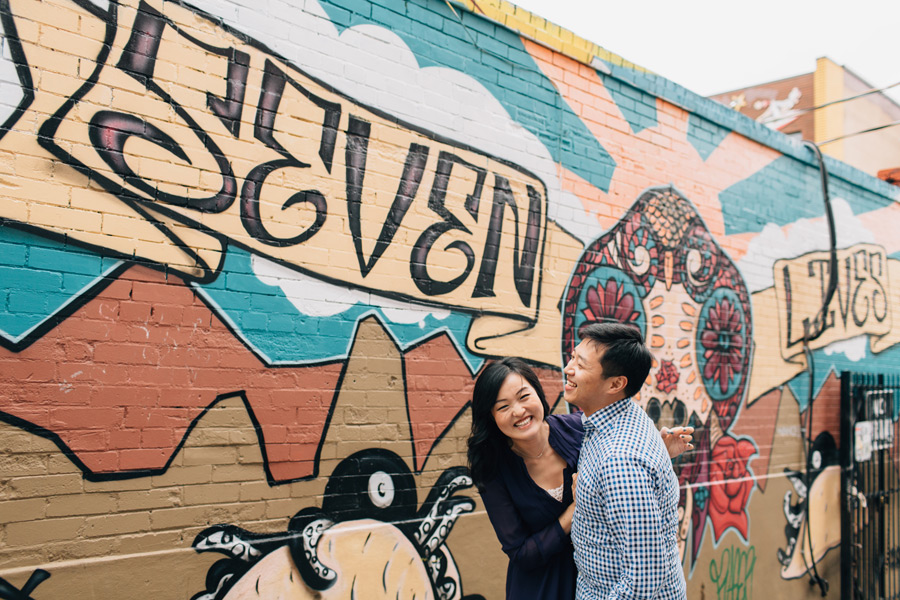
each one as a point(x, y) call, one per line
point(255, 256)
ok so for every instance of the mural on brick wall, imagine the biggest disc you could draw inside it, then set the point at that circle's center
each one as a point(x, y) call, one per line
point(256, 291)
point(661, 267)
point(426, 264)
point(238, 259)
point(367, 525)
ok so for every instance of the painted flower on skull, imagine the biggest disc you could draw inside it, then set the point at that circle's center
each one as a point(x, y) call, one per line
point(660, 270)
point(667, 378)
point(610, 303)
point(723, 344)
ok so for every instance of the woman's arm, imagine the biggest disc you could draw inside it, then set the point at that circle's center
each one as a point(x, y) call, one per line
point(531, 550)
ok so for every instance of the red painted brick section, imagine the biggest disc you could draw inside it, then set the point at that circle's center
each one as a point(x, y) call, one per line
point(155, 378)
point(438, 387)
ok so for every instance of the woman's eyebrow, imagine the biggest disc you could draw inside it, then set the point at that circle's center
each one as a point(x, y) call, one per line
point(524, 388)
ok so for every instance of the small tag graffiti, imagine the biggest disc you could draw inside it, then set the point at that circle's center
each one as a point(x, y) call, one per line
point(732, 574)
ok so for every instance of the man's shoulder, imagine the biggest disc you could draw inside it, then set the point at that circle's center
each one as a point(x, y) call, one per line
point(634, 436)
point(632, 421)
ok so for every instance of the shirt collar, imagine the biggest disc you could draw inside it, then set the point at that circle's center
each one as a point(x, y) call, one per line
point(601, 419)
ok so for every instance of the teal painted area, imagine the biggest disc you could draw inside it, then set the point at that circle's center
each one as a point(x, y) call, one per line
point(437, 38)
point(883, 362)
point(40, 277)
point(638, 108)
point(731, 120)
point(780, 193)
point(270, 323)
point(785, 191)
point(704, 135)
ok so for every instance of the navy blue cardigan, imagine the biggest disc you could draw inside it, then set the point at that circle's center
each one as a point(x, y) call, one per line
point(525, 518)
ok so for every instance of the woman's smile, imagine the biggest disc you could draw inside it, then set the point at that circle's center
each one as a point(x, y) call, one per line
point(524, 422)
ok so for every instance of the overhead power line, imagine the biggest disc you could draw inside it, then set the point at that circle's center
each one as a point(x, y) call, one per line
point(860, 132)
point(833, 102)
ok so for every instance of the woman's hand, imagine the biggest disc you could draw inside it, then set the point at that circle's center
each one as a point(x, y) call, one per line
point(677, 440)
point(565, 519)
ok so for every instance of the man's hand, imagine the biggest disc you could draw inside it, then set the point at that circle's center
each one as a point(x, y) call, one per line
point(677, 440)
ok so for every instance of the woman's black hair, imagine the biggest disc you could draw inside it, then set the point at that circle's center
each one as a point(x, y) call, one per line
point(486, 443)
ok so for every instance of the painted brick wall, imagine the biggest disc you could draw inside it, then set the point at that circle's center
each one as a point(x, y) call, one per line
point(254, 256)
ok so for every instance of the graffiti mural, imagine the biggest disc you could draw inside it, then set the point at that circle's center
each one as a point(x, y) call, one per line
point(489, 256)
point(368, 511)
point(255, 257)
point(661, 270)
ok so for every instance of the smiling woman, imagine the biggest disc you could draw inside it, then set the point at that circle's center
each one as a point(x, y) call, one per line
point(523, 460)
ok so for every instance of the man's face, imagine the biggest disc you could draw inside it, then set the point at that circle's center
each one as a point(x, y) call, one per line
point(586, 386)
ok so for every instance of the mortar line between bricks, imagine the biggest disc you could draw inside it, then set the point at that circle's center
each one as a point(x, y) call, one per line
point(63, 564)
point(363, 526)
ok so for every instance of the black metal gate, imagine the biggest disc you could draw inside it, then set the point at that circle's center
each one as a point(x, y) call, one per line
point(870, 491)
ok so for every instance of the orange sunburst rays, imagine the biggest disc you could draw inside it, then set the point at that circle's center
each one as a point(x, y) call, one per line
point(658, 155)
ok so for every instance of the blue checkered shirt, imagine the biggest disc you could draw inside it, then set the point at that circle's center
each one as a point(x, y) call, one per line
point(626, 509)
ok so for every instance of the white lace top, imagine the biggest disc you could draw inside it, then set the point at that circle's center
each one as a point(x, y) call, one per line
point(556, 493)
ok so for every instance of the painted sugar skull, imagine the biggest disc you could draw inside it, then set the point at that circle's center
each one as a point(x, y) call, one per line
point(661, 270)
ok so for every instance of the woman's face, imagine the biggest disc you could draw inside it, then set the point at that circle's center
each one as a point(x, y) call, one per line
point(518, 411)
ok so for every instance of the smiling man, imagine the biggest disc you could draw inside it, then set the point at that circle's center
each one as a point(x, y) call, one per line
point(626, 501)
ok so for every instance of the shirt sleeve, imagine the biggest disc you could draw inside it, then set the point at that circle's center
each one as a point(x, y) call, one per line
point(637, 526)
point(530, 550)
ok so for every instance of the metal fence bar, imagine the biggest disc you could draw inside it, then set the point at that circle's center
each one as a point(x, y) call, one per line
point(870, 489)
point(847, 515)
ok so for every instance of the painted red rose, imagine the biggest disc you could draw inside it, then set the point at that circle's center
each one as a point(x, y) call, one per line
point(729, 485)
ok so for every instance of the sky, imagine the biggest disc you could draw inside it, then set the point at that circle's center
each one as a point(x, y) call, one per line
point(711, 46)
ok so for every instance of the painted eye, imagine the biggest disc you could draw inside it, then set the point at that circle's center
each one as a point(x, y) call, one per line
point(679, 414)
point(381, 489)
point(817, 460)
point(654, 410)
point(723, 344)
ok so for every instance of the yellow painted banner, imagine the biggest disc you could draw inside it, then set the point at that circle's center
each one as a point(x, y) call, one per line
point(860, 305)
point(863, 304)
point(159, 134)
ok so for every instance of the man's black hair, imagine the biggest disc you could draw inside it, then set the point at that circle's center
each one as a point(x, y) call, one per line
point(623, 352)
